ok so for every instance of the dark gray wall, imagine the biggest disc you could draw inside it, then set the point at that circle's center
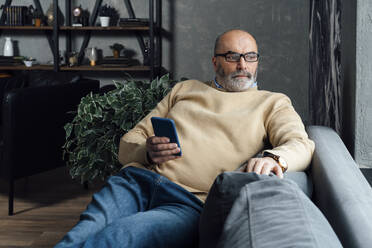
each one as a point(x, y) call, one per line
point(281, 29)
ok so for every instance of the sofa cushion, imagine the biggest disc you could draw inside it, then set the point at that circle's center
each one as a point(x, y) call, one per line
point(264, 203)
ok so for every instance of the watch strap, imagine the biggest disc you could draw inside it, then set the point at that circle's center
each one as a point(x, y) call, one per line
point(276, 158)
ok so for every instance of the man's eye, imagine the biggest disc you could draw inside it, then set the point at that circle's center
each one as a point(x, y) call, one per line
point(232, 56)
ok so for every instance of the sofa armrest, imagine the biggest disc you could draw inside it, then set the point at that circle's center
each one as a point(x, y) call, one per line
point(340, 190)
point(33, 132)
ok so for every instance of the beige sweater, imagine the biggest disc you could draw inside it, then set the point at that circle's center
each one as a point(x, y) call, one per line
point(218, 131)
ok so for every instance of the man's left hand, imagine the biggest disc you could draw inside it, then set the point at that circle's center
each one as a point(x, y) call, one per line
point(262, 166)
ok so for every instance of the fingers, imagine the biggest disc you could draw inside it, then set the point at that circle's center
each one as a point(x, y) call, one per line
point(162, 153)
point(160, 150)
point(153, 140)
point(264, 166)
point(278, 171)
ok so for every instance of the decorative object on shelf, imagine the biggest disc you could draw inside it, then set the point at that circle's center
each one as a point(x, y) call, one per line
point(62, 57)
point(85, 18)
point(8, 47)
point(28, 61)
point(77, 16)
point(116, 48)
point(108, 16)
point(38, 17)
point(105, 21)
point(50, 15)
point(91, 53)
point(72, 59)
point(92, 137)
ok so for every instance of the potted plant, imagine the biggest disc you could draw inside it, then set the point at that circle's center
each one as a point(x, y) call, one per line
point(116, 48)
point(107, 12)
point(38, 17)
point(92, 138)
point(28, 61)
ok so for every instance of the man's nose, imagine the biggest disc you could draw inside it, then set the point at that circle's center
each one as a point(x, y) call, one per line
point(242, 64)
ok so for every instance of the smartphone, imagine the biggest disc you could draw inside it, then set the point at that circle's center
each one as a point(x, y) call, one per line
point(164, 127)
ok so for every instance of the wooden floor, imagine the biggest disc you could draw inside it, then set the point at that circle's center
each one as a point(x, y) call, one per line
point(46, 206)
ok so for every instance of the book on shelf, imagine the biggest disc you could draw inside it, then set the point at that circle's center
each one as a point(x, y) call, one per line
point(15, 15)
point(5, 60)
point(110, 61)
point(133, 21)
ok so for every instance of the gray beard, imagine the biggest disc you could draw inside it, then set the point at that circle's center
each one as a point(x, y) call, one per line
point(230, 83)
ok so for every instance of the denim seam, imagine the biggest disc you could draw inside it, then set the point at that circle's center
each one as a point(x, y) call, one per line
point(305, 215)
point(250, 226)
point(157, 182)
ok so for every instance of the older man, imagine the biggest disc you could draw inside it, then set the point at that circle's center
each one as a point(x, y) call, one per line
point(156, 199)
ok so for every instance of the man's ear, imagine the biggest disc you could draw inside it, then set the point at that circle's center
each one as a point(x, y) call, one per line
point(214, 62)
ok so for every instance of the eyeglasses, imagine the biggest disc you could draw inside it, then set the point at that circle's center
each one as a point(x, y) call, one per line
point(235, 57)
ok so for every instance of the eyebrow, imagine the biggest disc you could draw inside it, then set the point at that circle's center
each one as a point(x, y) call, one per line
point(241, 53)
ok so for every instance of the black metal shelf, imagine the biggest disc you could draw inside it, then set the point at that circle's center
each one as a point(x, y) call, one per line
point(111, 28)
point(152, 28)
point(52, 32)
point(26, 28)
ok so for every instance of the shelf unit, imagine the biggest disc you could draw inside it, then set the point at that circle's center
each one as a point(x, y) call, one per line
point(53, 32)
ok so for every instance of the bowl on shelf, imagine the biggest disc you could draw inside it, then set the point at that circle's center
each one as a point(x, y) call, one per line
point(28, 63)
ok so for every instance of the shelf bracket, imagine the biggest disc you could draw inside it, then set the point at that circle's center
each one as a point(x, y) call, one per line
point(55, 36)
point(140, 40)
point(92, 22)
point(7, 4)
point(49, 37)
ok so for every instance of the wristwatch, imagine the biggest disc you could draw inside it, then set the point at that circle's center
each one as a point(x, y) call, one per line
point(281, 162)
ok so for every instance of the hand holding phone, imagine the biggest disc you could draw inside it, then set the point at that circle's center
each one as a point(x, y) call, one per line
point(165, 144)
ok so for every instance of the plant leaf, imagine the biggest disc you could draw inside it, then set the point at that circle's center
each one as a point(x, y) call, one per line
point(93, 136)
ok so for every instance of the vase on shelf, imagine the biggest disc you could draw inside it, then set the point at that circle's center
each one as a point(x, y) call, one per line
point(92, 55)
point(8, 47)
point(50, 15)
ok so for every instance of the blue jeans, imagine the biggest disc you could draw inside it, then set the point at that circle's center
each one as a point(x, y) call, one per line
point(137, 208)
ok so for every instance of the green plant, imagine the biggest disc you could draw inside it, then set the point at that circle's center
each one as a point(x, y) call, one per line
point(107, 10)
point(116, 46)
point(92, 138)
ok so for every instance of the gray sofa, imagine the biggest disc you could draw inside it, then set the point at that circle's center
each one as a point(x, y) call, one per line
point(340, 190)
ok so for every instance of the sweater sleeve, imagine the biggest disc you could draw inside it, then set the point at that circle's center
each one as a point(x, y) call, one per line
point(132, 147)
point(287, 135)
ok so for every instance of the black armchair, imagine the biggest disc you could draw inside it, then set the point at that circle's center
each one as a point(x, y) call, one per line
point(33, 134)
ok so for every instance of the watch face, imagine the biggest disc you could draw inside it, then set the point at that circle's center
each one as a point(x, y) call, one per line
point(76, 12)
point(282, 162)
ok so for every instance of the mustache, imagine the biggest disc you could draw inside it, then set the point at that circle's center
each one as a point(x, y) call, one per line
point(241, 73)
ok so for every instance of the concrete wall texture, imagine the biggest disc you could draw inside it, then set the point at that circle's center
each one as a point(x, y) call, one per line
point(363, 110)
point(281, 29)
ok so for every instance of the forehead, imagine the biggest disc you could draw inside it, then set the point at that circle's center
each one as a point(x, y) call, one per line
point(237, 42)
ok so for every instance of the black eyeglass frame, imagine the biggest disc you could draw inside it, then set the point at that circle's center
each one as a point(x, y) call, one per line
point(240, 55)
